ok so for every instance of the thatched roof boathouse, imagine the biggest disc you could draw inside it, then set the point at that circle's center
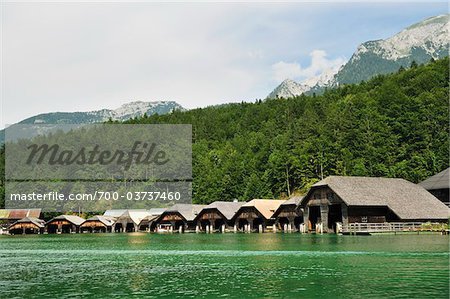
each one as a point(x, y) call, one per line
point(179, 217)
point(98, 223)
point(256, 215)
point(217, 216)
point(342, 200)
point(64, 224)
point(287, 217)
point(27, 225)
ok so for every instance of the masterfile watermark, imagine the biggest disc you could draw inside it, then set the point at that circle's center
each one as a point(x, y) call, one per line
point(93, 167)
point(140, 153)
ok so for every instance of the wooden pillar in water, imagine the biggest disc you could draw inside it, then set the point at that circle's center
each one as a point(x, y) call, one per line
point(211, 226)
point(344, 211)
point(324, 217)
point(291, 224)
point(306, 219)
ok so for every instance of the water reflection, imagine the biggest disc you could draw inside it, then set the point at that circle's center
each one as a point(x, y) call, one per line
point(234, 265)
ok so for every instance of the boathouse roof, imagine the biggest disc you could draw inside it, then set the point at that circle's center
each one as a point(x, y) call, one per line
point(437, 181)
point(16, 214)
point(291, 203)
point(134, 216)
point(148, 219)
point(156, 211)
point(227, 208)
point(114, 213)
point(187, 211)
point(36, 221)
point(266, 207)
point(407, 200)
point(294, 200)
point(106, 220)
point(76, 220)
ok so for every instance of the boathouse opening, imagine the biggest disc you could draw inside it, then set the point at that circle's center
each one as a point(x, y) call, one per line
point(52, 229)
point(26, 231)
point(334, 215)
point(314, 217)
point(129, 228)
point(118, 227)
point(66, 228)
point(242, 224)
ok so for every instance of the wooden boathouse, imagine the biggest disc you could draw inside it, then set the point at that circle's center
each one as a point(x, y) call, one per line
point(129, 220)
point(98, 223)
point(148, 223)
point(439, 186)
point(217, 216)
point(256, 215)
point(179, 217)
point(64, 224)
point(9, 216)
point(340, 201)
point(287, 217)
point(27, 225)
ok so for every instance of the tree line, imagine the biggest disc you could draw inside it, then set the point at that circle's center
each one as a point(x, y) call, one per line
point(394, 125)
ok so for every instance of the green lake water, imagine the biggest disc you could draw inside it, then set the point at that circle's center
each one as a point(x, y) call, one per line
point(267, 265)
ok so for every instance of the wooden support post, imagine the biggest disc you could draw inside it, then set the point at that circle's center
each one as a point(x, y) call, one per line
point(306, 218)
point(324, 217)
point(211, 226)
point(344, 211)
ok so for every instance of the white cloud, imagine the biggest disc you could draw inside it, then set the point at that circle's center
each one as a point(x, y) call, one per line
point(293, 70)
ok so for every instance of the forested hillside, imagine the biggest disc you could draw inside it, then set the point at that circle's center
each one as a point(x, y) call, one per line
point(394, 126)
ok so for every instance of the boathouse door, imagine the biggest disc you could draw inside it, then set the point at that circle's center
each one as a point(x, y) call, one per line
point(334, 215)
point(314, 217)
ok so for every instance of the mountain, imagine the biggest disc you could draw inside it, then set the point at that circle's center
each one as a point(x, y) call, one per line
point(124, 112)
point(419, 42)
point(288, 89)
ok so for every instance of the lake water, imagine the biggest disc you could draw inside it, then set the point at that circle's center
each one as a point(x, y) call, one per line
point(224, 265)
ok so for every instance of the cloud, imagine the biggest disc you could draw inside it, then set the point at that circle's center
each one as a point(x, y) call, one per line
point(293, 70)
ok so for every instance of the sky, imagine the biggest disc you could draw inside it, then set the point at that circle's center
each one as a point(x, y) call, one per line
point(66, 56)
